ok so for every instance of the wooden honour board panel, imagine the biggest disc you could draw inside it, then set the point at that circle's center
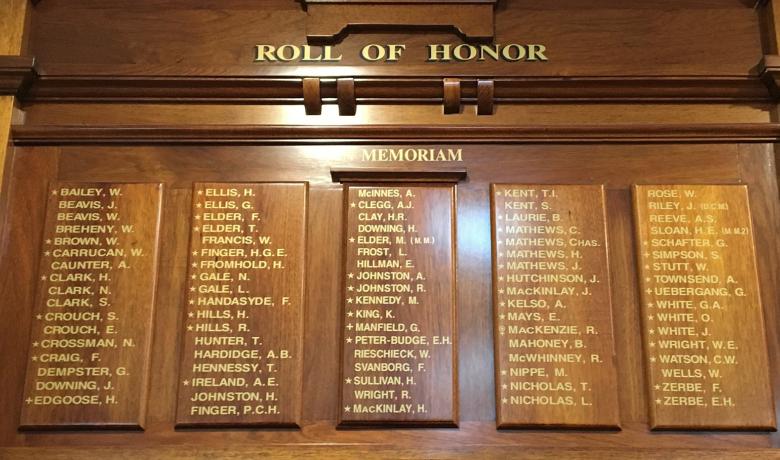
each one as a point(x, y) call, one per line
point(89, 348)
point(243, 329)
point(705, 343)
point(399, 322)
point(554, 348)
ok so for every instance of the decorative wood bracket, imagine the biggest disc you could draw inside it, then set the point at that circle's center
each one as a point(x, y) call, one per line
point(329, 20)
point(16, 74)
point(769, 69)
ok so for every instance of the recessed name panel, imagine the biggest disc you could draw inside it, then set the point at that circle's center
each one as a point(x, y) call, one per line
point(553, 317)
point(90, 342)
point(399, 359)
point(705, 344)
point(243, 326)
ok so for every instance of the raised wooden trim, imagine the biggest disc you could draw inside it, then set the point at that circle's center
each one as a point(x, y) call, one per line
point(451, 96)
point(352, 175)
point(16, 73)
point(376, 84)
point(328, 21)
point(371, 452)
point(312, 96)
point(368, 134)
point(345, 93)
point(486, 90)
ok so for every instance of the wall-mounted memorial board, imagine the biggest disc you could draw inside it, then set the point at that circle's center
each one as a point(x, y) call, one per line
point(243, 326)
point(90, 342)
point(399, 323)
point(554, 347)
point(705, 345)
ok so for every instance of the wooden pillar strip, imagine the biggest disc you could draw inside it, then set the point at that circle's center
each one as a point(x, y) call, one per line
point(312, 96)
point(451, 96)
point(345, 93)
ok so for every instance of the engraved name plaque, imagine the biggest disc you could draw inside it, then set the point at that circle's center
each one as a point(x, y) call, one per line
point(705, 345)
point(243, 326)
point(399, 359)
point(91, 334)
point(553, 318)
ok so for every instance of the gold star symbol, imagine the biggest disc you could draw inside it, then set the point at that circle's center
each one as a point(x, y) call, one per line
point(503, 372)
point(48, 241)
point(350, 288)
point(657, 387)
point(186, 383)
point(194, 253)
point(501, 278)
point(349, 300)
point(189, 328)
point(352, 205)
point(352, 240)
point(197, 229)
point(500, 291)
point(192, 302)
point(658, 401)
point(192, 289)
point(39, 316)
point(652, 360)
point(47, 253)
point(198, 205)
point(502, 316)
point(194, 265)
point(348, 380)
point(43, 278)
point(350, 276)
point(346, 409)
point(35, 358)
point(502, 304)
point(197, 216)
point(53, 192)
point(504, 386)
point(504, 401)
point(349, 339)
point(350, 314)
point(190, 315)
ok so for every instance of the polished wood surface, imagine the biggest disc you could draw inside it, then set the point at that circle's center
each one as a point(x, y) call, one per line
point(659, 91)
point(88, 363)
point(399, 358)
point(554, 352)
point(242, 356)
point(703, 323)
point(180, 166)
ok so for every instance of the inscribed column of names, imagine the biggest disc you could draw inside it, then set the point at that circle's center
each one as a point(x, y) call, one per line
point(242, 357)
point(398, 364)
point(91, 335)
point(553, 316)
point(705, 344)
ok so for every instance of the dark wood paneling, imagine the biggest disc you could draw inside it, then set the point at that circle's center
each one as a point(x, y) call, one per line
point(617, 166)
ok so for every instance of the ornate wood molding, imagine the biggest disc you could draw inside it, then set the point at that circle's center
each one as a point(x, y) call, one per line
point(16, 73)
point(371, 134)
point(411, 89)
point(329, 20)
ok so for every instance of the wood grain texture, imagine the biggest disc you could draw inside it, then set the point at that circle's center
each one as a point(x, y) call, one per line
point(12, 25)
point(399, 359)
point(90, 340)
point(355, 134)
point(242, 357)
point(554, 352)
point(705, 340)
point(617, 166)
